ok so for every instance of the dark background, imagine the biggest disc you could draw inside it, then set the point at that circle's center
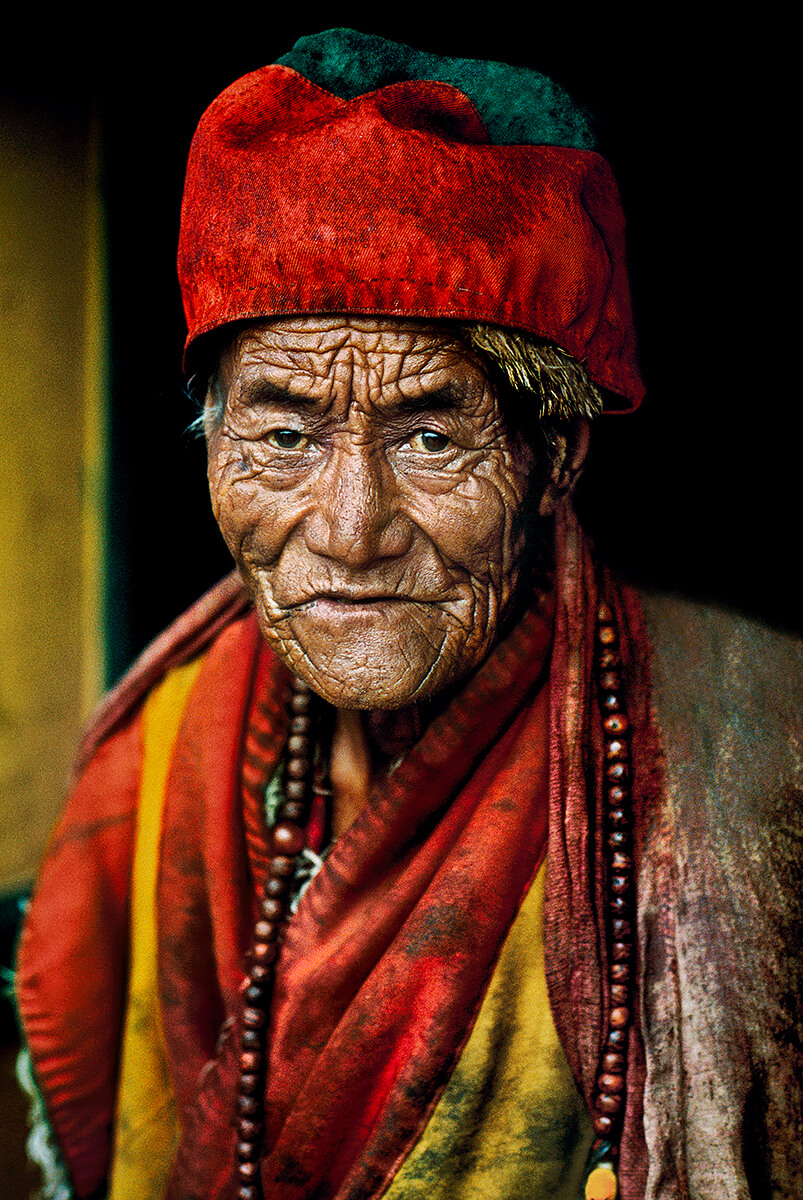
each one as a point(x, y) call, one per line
point(697, 492)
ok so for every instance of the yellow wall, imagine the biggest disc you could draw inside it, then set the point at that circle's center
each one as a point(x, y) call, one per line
point(52, 358)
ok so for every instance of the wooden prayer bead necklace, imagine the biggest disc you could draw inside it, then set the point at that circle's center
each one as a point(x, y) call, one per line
point(609, 1096)
point(288, 839)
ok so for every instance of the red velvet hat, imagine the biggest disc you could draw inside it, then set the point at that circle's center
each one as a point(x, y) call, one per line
point(397, 202)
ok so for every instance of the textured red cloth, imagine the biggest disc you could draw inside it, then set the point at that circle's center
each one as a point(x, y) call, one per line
point(73, 957)
point(396, 203)
point(717, 855)
point(386, 961)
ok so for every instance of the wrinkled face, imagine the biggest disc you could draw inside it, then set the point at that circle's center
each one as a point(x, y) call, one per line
point(367, 487)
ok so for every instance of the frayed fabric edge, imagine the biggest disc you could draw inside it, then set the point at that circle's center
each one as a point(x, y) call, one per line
point(41, 1145)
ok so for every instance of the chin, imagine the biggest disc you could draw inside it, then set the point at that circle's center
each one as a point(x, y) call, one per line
point(375, 656)
point(359, 676)
point(372, 686)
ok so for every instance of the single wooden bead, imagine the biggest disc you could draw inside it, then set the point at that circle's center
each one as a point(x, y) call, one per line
point(619, 905)
point(250, 1062)
point(616, 770)
point(298, 768)
point(254, 995)
point(620, 884)
point(620, 993)
point(607, 635)
point(616, 795)
point(621, 862)
point(259, 972)
point(619, 1017)
point(247, 1151)
point(249, 1130)
point(247, 1105)
point(620, 972)
point(608, 658)
point(610, 1083)
point(288, 839)
point(272, 909)
point(604, 614)
point(300, 702)
point(613, 1062)
point(248, 1170)
point(298, 745)
point(610, 703)
point(277, 887)
point(621, 929)
point(248, 1192)
point(617, 837)
point(620, 952)
point(253, 1018)
point(610, 681)
point(602, 1125)
point(619, 817)
point(281, 866)
point(617, 1039)
point(296, 791)
point(266, 931)
point(249, 1082)
point(251, 1039)
point(300, 723)
point(608, 1104)
point(265, 952)
point(616, 723)
point(615, 749)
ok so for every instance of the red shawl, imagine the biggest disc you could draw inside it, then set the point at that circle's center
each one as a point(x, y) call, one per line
point(386, 962)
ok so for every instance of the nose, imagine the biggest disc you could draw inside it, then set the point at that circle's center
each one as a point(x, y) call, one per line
point(356, 518)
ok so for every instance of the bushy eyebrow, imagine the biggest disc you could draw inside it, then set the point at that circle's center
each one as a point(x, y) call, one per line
point(450, 395)
point(263, 391)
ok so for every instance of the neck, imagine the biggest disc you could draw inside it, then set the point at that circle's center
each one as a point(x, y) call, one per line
point(365, 744)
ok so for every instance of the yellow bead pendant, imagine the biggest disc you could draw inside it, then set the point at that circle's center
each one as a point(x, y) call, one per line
point(602, 1183)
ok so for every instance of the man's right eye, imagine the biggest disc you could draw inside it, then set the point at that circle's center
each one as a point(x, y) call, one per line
point(286, 439)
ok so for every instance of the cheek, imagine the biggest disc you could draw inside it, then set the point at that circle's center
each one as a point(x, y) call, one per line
point(246, 511)
point(473, 525)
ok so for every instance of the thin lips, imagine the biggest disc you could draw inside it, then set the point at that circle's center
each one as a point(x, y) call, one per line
point(356, 597)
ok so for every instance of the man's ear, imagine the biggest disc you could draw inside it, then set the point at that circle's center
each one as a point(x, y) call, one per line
point(569, 455)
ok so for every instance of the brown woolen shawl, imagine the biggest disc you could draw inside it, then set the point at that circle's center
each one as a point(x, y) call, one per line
point(721, 909)
point(715, 702)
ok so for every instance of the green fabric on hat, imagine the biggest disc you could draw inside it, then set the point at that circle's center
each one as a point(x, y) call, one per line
point(518, 106)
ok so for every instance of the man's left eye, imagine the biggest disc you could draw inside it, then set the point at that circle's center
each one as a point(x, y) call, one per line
point(430, 441)
point(286, 439)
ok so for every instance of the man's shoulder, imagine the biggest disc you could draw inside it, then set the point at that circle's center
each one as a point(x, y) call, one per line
point(727, 695)
point(684, 618)
point(189, 635)
point(721, 663)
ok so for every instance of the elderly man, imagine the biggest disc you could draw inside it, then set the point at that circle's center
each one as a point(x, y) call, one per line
point(421, 857)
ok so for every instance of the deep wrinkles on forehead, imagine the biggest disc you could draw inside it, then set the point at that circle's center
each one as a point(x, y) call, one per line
point(323, 362)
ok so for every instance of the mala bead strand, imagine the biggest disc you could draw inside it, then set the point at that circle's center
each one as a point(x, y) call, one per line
point(288, 838)
point(609, 1097)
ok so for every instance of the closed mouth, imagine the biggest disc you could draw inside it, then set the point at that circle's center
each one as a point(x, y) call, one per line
point(352, 599)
